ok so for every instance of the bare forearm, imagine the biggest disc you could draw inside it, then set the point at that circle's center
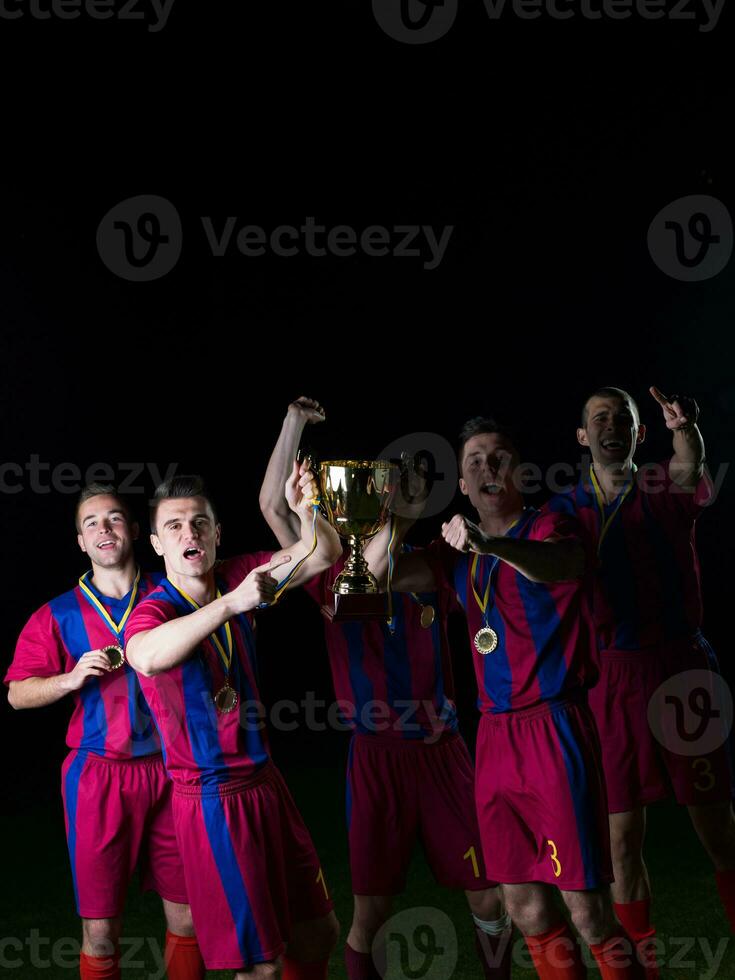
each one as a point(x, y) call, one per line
point(279, 468)
point(327, 551)
point(37, 692)
point(539, 561)
point(170, 644)
point(687, 463)
point(376, 550)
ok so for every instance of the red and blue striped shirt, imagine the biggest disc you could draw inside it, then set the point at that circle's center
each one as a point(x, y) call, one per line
point(397, 684)
point(202, 746)
point(647, 583)
point(546, 648)
point(110, 716)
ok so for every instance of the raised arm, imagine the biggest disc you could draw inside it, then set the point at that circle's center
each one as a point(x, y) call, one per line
point(273, 504)
point(552, 560)
point(300, 493)
point(680, 415)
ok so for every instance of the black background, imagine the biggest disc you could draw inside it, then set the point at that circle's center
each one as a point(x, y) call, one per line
point(548, 145)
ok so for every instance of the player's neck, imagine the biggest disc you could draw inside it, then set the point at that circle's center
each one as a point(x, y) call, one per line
point(114, 582)
point(201, 588)
point(613, 477)
point(499, 522)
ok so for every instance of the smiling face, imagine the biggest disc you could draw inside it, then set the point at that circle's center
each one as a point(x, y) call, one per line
point(106, 532)
point(488, 463)
point(612, 430)
point(187, 535)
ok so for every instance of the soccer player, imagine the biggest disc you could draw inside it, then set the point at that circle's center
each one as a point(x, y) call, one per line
point(519, 573)
point(409, 772)
point(648, 613)
point(252, 874)
point(117, 797)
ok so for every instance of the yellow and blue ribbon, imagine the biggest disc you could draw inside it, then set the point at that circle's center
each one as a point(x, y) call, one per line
point(116, 628)
point(605, 522)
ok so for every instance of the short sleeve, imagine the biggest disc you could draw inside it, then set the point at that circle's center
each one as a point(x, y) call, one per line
point(39, 651)
point(147, 615)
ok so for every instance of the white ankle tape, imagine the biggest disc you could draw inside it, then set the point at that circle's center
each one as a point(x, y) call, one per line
point(494, 927)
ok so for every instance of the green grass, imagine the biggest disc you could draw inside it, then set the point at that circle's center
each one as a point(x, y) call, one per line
point(38, 896)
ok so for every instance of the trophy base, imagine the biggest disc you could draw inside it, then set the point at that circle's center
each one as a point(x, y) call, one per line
point(351, 608)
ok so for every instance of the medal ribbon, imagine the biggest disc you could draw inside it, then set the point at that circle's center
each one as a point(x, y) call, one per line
point(605, 522)
point(475, 578)
point(116, 628)
point(391, 569)
point(225, 655)
point(284, 584)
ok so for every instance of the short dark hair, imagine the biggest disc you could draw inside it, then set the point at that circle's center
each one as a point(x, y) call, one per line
point(96, 489)
point(178, 488)
point(608, 391)
point(477, 426)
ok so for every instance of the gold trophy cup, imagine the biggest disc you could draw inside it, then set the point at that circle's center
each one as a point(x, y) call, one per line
point(356, 497)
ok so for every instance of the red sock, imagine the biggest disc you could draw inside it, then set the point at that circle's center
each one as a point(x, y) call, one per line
point(296, 970)
point(360, 966)
point(635, 918)
point(726, 888)
point(183, 959)
point(556, 954)
point(99, 967)
point(494, 953)
point(616, 958)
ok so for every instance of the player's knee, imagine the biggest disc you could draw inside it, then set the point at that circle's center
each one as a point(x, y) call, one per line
point(178, 919)
point(101, 936)
point(369, 915)
point(262, 971)
point(486, 904)
point(593, 921)
point(315, 939)
point(530, 914)
point(627, 855)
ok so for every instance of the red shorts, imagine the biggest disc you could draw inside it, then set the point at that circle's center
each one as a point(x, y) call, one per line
point(117, 813)
point(251, 868)
point(639, 769)
point(399, 790)
point(541, 798)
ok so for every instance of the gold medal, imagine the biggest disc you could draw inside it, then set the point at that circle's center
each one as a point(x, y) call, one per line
point(115, 655)
point(427, 616)
point(226, 699)
point(486, 640)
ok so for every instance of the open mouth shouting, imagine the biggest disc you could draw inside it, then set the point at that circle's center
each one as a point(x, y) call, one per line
point(614, 445)
point(193, 554)
point(490, 489)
